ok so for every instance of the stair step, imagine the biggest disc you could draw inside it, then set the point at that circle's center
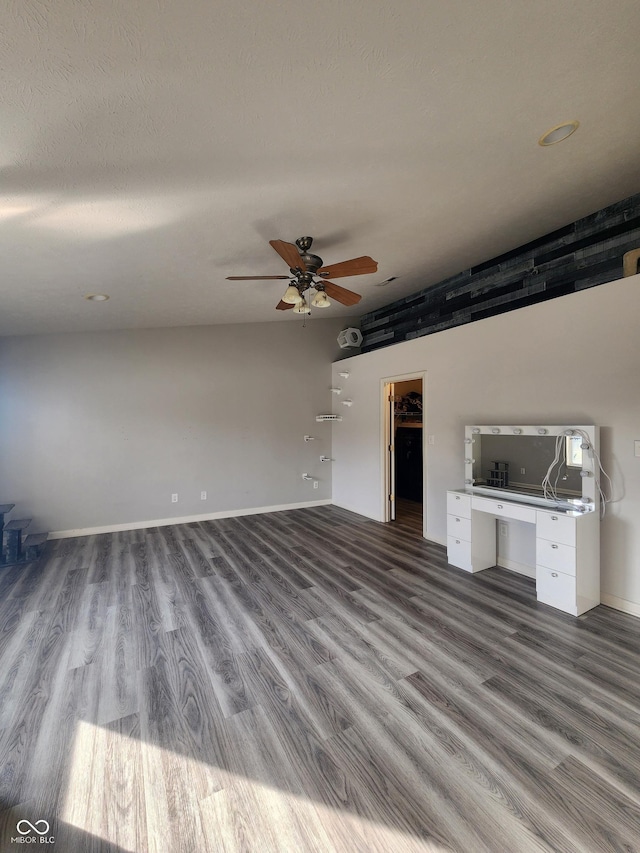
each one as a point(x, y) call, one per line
point(35, 539)
point(33, 546)
point(18, 524)
point(5, 508)
point(12, 535)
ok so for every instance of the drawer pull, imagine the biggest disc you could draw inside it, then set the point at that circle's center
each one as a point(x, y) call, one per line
point(457, 541)
point(457, 497)
point(457, 519)
point(554, 546)
point(554, 518)
point(554, 574)
point(500, 506)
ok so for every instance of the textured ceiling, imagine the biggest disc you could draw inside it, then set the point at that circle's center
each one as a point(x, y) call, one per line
point(149, 149)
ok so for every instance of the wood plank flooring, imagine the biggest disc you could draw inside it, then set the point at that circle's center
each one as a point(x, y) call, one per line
point(309, 681)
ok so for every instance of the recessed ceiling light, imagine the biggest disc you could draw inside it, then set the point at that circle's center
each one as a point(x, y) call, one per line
point(558, 133)
point(96, 297)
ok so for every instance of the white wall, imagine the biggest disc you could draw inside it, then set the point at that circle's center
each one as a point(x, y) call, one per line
point(100, 429)
point(574, 359)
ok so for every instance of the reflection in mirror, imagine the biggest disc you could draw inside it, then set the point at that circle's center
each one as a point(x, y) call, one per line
point(519, 463)
point(573, 451)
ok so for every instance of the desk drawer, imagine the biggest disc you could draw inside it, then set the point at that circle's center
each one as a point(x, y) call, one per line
point(459, 527)
point(555, 555)
point(459, 504)
point(504, 510)
point(556, 589)
point(556, 527)
point(459, 553)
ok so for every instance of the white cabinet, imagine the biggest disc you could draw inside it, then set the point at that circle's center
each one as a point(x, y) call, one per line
point(459, 530)
point(555, 555)
point(459, 553)
point(567, 552)
point(556, 589)
point(568, 560)
point(505, 509)
point(459, 504)
point(468, 547)
point(556, 527)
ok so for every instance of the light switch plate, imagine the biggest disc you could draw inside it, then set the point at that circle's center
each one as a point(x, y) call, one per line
point(636, 445)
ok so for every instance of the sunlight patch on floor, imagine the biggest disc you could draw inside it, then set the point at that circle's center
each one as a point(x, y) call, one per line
point(145, 798)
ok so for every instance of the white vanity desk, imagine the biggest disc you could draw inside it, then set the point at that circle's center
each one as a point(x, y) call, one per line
point(567, 546)
point(567, 549)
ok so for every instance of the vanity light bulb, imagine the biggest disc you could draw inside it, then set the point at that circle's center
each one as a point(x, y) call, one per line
point(542, 432)
point(495, 431)
point(517, 432)
point(468, 482)
point(476, 430)
point(467, 441)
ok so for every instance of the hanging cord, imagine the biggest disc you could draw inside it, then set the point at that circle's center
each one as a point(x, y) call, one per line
point(550, 489)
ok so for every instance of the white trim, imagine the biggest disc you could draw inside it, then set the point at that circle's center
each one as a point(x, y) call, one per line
point(393, 380)
point(622, 604)
point(185, 519)
point(518, 568)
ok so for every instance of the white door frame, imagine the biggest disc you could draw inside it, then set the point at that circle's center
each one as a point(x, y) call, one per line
point(386, 455)
point(388, 446)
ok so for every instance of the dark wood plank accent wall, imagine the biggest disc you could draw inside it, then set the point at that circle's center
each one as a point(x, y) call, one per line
point(586, 253)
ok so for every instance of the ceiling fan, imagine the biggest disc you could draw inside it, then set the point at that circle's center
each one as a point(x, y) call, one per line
point(306, 271)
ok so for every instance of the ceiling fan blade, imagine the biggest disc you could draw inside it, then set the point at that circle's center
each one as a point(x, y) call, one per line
point(341, 294)
point(283, 306)
point(289, 254)
point(356, 266)
point(255, 277)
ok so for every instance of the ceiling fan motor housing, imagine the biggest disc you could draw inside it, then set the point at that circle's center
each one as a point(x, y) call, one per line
point(311, 262)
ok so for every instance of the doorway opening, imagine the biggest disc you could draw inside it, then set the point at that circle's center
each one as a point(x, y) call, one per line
point(404, 468)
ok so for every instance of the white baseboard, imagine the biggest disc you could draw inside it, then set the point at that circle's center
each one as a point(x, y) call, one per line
point(185, 519)
point(631, 607)
point(518, 568)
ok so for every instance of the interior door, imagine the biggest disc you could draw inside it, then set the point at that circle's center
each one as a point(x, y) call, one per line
point(390, 466)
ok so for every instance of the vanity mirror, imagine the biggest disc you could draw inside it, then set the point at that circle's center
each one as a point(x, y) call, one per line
point(546, 464)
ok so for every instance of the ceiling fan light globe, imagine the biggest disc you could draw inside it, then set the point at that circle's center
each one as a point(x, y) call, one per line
point(321, 300)
point(291, 295)
point(302, 307)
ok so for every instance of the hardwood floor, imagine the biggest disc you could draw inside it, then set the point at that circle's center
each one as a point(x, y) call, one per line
point(409, 516)
point(309, 681)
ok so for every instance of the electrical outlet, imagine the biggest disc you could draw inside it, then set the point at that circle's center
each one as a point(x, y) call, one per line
point(315, 484)
point(203, 496)
point(431, 439)
point(174, 499)
point(504, 528)
point(523, 470)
